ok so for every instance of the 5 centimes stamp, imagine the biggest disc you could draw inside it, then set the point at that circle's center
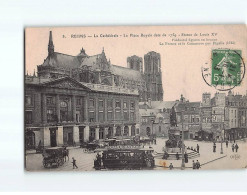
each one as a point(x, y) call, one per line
point(227, 69)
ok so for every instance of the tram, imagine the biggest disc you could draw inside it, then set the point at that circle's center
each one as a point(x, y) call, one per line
point(124, 157)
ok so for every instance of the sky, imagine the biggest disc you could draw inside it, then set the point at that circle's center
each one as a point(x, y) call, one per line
point(181, 64)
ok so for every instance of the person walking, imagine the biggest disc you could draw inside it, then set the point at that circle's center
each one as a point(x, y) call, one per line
point(197, 147)
point(186, 157)
point(193, 165)
point(198, 165)
point(177, 156)
point(73, 162)
point(171, 166)
point(227, 143)
point(236, 147)
point(233, 146)
point(214, 147)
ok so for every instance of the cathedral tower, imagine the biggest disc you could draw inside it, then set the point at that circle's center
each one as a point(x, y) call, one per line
point(153, 76)
point(134, 62)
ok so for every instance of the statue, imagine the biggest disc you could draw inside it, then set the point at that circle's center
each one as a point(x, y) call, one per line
point(174, 140)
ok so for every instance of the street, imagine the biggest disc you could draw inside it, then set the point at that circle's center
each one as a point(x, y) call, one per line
point(208, 159)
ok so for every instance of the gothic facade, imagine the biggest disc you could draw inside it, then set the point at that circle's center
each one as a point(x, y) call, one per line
point(97, 69)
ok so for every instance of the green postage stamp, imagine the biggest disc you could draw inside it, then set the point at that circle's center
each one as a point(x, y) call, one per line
point(226, 67)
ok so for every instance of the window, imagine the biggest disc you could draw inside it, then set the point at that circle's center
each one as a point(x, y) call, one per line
point(78, 101)
point(159, 129)
point(91, 103)
point(101, 104)
point(28, 117)
point(118, 115)
point(132, 116)
point(28, 100)
point(77, 116)
point(101, 116)
point(109, 103)
point(91, 116)
point(49, 100)
point(50, 115)
point(125, 105)
point(126, 117)
point(132, 105)
point(63, 104)
point(118, 104)
point(109, 115)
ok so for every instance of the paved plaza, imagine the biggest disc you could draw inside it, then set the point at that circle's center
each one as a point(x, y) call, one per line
point(208, 159)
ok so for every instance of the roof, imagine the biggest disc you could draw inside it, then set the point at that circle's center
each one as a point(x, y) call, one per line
point(163, 104)
point(63, 82)
point(111, 89)
point(36, 80)
point(62, 60)
point(148, 112)
point(90, 61)
point(187, 107)
point(127, 73)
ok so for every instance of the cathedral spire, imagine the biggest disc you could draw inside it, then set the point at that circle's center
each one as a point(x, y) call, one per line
point(50, 45)
point(34, 74)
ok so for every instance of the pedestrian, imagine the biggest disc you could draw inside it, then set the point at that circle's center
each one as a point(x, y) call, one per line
point(227, 143)
point(186, 157)
point(166, 155)
point(193, 165)
point(198, 165)
point(177, 156)
point(214, 147)
point(236, 147)
point(171, 166)
point(198, 147)
point(233, 146)
point(73, 162)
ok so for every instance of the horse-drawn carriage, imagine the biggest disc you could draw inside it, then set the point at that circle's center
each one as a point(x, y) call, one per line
point(54, 156)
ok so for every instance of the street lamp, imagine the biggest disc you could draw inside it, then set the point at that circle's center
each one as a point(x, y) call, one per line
point(221, 148)
point(183, 161)
point(152, 121)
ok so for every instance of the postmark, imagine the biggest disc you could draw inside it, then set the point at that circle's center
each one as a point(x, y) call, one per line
point(226, 69)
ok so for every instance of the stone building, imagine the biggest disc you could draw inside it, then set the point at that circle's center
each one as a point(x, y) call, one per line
point(98, 70)
point(205, 132)
point(235, 115)
point(64, 111)
point(155, 117)
point(188, 118)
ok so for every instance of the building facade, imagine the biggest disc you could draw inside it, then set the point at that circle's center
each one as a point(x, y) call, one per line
point(155, 117)
point(64, 111)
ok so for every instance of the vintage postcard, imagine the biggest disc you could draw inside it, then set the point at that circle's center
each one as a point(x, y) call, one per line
point(135, 98)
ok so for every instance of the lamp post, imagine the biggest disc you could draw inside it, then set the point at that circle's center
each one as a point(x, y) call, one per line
point(221, 147)
point(152, 132)
point(183, 163)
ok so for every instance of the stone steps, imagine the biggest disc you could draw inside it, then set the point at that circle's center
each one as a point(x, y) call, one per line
point(172, 156)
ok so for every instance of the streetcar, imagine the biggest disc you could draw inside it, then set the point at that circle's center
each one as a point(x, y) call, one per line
point(124, 157)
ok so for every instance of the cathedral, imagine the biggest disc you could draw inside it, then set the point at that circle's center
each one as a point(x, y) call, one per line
point(97, 69)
